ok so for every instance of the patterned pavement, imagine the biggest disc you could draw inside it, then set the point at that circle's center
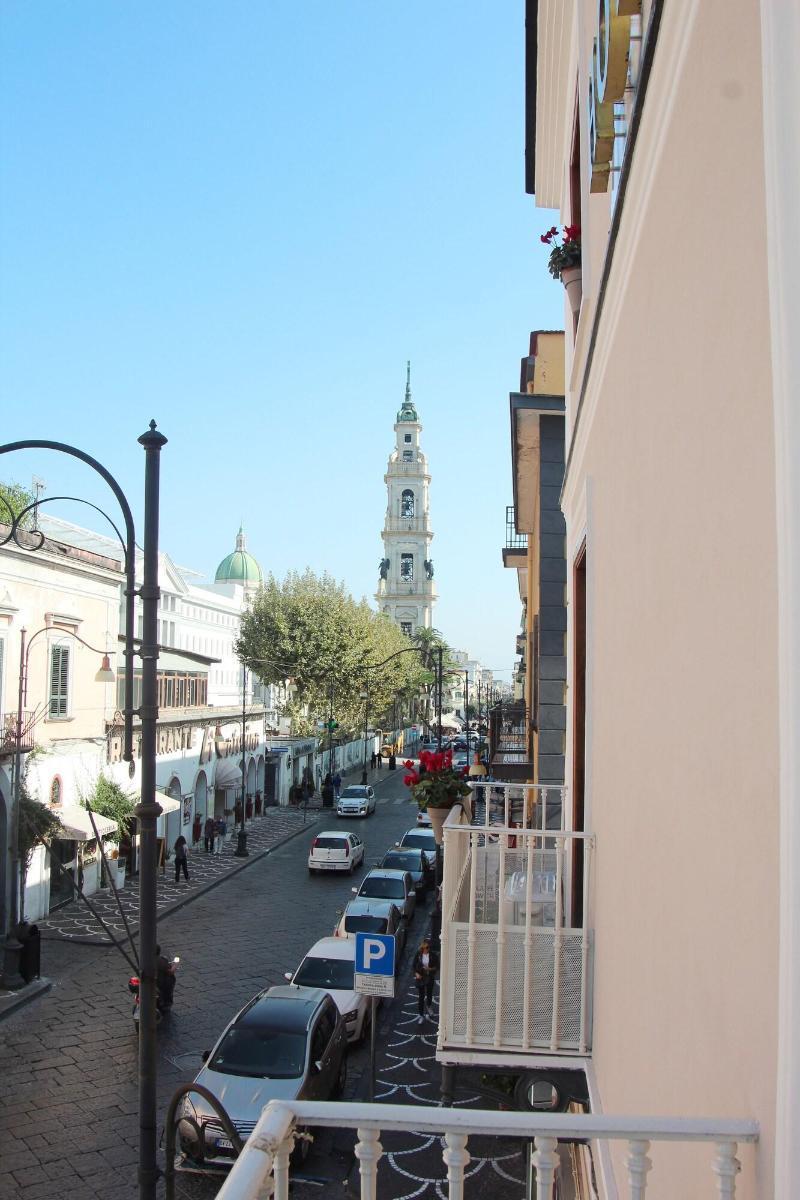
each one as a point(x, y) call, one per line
point(75, 922)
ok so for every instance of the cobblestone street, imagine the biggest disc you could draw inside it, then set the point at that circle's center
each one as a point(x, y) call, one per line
point(68, 1092)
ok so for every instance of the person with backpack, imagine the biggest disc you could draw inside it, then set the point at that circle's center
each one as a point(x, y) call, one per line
point(181, 858)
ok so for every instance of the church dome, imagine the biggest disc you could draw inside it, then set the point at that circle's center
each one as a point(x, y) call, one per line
point(239, 567)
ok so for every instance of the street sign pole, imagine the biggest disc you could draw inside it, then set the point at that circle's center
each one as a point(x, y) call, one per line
point(372, 1005)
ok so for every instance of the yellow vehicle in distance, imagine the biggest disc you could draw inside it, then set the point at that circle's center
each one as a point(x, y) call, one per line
point(392, 745)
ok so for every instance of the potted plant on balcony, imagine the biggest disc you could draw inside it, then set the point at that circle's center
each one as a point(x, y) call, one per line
point(565, 260)
point(437, 788)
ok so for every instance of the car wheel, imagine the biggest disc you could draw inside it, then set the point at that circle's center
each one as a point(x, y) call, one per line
point(341, 1079)
point(352, 866)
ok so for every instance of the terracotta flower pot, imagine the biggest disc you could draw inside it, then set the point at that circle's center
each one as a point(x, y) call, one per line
point(571, 279)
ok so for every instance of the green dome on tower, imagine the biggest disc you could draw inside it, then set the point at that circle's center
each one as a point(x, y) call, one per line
point(239, 567)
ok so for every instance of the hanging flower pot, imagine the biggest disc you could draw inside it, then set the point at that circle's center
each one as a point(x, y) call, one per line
point(571, 279)
point(437, 788)
point(565, 261)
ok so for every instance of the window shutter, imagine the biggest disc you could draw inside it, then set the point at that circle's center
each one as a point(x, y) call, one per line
point(59, 680)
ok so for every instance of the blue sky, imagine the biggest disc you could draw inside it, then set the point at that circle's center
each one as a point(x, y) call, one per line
point(241, 219)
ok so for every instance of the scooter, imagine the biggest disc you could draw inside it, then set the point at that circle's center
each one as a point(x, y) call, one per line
point(163, 998)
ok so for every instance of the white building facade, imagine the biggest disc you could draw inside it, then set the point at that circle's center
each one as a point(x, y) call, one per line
point(406, 591)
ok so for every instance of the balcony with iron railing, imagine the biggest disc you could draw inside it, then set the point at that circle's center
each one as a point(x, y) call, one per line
point(515, 549)
point(14, 731)
point(405, 524)
point(516, 974)
point(510, 741)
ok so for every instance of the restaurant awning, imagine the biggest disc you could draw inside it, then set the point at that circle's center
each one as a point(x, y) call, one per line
point(228, 773)
point(167, 803)
point(77, 826)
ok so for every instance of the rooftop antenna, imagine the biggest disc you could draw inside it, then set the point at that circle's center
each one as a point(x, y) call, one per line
point(39, 485)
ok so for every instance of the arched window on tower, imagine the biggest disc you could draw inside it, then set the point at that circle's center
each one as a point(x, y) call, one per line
point(407, 503)
point(407, 568)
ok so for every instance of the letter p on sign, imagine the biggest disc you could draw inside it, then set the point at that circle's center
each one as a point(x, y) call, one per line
point(374, 954)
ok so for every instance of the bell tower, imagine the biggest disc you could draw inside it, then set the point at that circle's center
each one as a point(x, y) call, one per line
point(406, 591)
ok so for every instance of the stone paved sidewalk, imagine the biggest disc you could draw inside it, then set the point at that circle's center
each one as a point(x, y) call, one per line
point(74, 922)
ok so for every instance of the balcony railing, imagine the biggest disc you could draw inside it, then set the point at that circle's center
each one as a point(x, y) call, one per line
point(262, 1168)
point(12, 731)
point(516, 948)
point(514, 540)
point(419, 467)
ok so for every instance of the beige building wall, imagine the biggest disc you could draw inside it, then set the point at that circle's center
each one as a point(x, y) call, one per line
point(672, 481)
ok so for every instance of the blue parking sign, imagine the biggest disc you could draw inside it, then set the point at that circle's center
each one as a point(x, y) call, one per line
point(375, 954)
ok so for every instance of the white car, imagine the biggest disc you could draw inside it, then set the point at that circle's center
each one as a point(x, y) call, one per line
point(356, 801)
point(334, 850)
point(331, 963)
point(423, 819)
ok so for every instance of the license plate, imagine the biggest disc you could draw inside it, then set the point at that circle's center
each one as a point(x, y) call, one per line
point(224, 1144)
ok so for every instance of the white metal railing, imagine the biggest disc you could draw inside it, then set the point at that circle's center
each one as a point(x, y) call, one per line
point(516, 946)
point(418, 467)
point(262, 1169)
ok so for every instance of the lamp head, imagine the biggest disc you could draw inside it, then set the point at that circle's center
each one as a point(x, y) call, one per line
point(105, 674)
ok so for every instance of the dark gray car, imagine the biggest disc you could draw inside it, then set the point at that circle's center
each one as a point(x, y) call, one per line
point(287, 1043)
point(405, 858)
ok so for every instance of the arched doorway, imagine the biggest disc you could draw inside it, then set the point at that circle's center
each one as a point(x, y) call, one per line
point(201, 796)
point(260, 774)
point(251, 777)
point(172, 821)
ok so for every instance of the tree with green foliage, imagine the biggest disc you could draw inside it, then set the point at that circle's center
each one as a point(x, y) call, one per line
point(428, 642)
point(309, 629)
point(110, 800)
point(13, 500)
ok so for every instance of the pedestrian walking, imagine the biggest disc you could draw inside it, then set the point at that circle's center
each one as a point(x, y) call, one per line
point(208, 834)
point(197, 829)
point(337, 784)
point(220, 829)
point(425, 967)
point(181, 858)
point(372, 761)
point(379, 761)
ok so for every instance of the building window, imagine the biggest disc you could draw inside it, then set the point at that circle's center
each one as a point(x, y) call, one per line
point(407, 568)
point(408, 456)
point(55, 791)
point(59, 681)
point(407, 438)
point(405, 627)
point(407, 503)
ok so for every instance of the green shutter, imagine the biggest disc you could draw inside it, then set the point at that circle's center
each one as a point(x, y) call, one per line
point(59, 681)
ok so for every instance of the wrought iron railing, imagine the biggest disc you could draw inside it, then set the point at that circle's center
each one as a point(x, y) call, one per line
point(514, 540)
point(12, 731)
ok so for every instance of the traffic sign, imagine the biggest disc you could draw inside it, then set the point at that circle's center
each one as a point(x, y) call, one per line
point(374, 966)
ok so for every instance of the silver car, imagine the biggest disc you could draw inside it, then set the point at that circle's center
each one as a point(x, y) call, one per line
point(397, 886)
point(287, 1043)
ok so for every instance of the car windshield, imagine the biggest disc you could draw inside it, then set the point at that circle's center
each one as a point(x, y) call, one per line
point(391, 889)
point(365, 924)
point(326, 973)
point(402, 861)
point(419, 840)
point(353, 793)
point(260, 1053)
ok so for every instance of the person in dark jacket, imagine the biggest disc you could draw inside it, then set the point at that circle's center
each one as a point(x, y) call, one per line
point(208, 834)
point(425, 967)
point(181, 858)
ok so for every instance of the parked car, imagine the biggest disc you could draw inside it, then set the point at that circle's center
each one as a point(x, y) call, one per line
point(334, 850)
point(431, 747)
point(416, 863)
point(356, 801)
point(390, 885)
point(287, 1043)
point(423, 819)
point(422, 839)
point(330, 964)
point(373, 916)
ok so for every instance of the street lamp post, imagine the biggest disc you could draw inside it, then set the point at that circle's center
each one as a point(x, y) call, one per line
point(147, 811)
point(365, 697)
point(241, 850)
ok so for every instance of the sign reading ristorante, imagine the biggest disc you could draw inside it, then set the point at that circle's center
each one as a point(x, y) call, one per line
point(174, 739)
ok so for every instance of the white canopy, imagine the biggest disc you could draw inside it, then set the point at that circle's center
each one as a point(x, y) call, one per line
point(228, 773)
point(168, 803)
point(77, 825)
